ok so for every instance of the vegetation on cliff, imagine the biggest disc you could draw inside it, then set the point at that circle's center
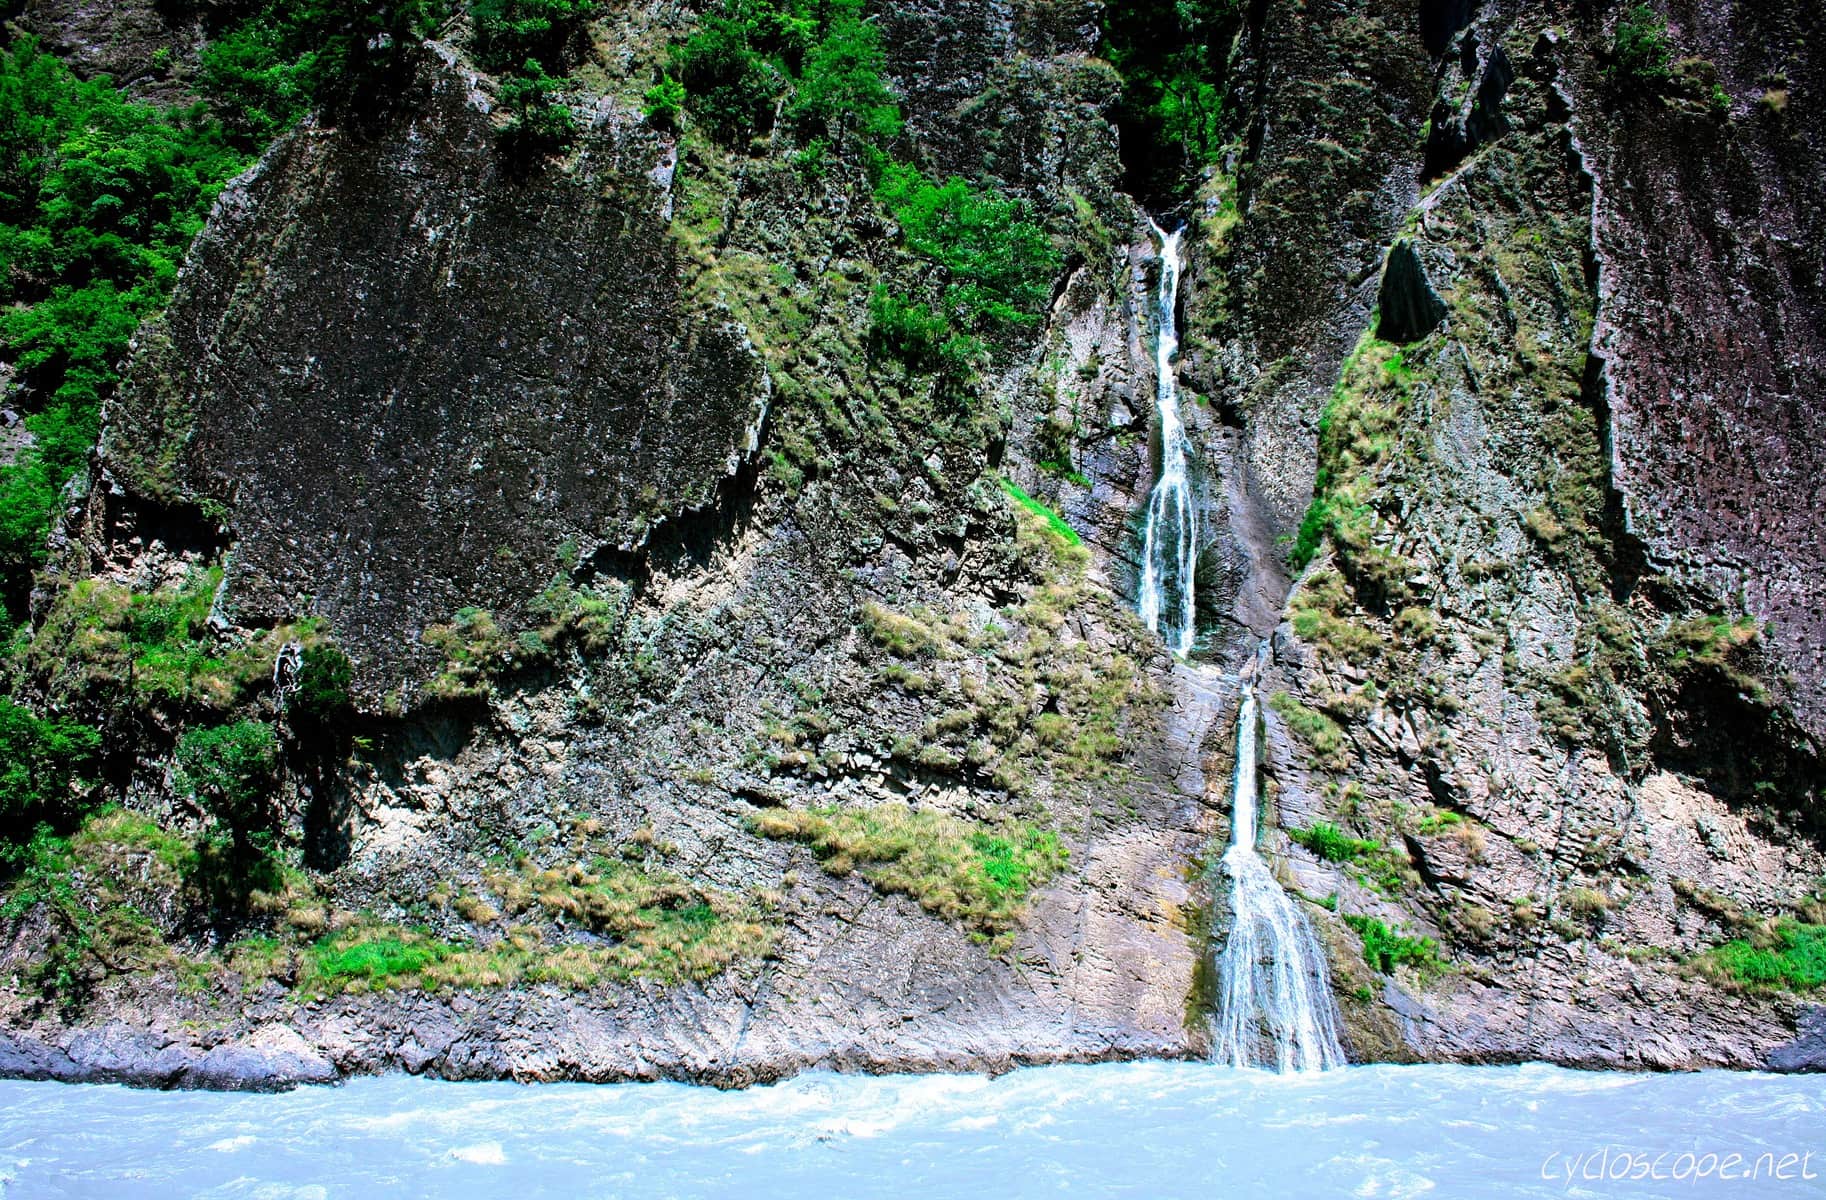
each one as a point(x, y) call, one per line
point(99, 198)
point(1174, 58)
point(1788, 954)
point(122, 895)
point(967, 871)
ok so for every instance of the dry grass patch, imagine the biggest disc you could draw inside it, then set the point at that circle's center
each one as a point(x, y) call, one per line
point(977, 875)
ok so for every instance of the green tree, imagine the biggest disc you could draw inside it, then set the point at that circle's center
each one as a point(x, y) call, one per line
point(733, 85)
point(265, 64)
point(1173, 56)
point(1001, 264)
point(99, 198)
point(231, 772)
point(841, 86)
point(508, 32)
point(539, 120)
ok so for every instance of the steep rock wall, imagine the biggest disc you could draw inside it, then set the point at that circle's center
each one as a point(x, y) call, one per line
point(410, 374)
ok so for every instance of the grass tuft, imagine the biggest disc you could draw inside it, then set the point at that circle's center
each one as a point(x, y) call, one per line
point(980, 877)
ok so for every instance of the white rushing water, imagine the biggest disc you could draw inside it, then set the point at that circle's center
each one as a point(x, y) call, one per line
point(1150, 1131)
point(1170, 540)
point(1277, 1008)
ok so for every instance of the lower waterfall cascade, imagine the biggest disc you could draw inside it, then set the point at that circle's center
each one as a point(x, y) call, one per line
point(1276, 1003)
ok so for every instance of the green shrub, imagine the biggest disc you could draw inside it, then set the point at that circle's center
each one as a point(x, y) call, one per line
point(324, 677)
point(508, 32)
point(538, 118)
point(731, 79)
point(1000, 263)
point(1173, 56)
point(746, 56)
point(1333, 844)
point(1384, 949)
point(921, 340)
point(665, 102)
point(998, 267)
point(266, 63)
point(43, 761)
point(1639, 52)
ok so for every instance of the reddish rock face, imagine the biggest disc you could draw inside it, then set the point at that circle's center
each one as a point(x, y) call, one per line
point(1711, 239)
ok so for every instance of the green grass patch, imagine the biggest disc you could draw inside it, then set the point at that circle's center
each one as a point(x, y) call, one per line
point(376, 958)
point(156, 649)
point(1053, 520)
point(1322, 734)
point(1792, 956)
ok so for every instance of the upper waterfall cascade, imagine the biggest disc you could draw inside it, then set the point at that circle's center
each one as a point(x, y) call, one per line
point(1169, 546)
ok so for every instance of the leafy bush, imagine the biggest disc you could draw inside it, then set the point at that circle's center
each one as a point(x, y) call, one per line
point(526, 42)
point(728, 71)
point(665, 102)
point(42, 762)
point(508, 32)
point(919, 339)
point(538, 117)
point(1639, 53)
point(1173, 56)
point(1001, 265)
point(266, 63)
point(232, 773)
point(999, 268)
point(1384, 949)
point(821, 56)
point(324, 677)
point(1333, 844)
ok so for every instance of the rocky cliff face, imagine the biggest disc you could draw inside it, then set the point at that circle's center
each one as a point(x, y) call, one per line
point(725, 700)
point(498, 370)
point(1499, 671)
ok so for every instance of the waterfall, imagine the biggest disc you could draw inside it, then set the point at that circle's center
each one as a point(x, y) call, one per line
point(1277, 1003)
point(1169, 546)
